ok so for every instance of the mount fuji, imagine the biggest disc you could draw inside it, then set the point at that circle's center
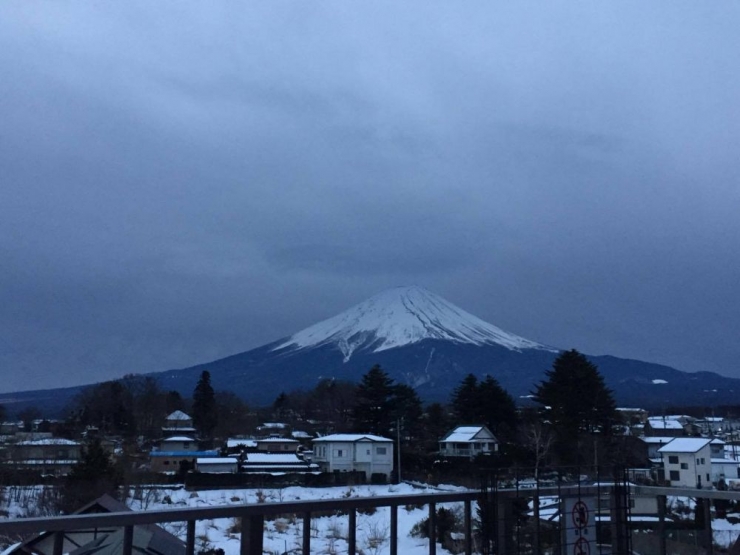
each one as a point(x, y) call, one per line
point(425, 341)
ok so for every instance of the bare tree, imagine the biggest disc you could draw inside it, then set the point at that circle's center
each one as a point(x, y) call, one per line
point(539, 439)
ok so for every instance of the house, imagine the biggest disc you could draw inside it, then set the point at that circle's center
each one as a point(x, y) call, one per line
point(687, 461)
point(277, 445)
point(724, 469)
point(176, 452)
point(468, 441)
point(178, 443)
point(53, 455)
point(178, 423)
point(718, 448)
point(664, 426)
point(175, 461)
point(653, 444)
point(147, 539)
point(366, 453)
point(235, 445)
point(217, 465)
point(277, 463)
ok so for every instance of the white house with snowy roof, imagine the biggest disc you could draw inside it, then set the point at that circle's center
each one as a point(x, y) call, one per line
point(178, 422)
point(468, 441)
point(687, 462)
point(366, 453)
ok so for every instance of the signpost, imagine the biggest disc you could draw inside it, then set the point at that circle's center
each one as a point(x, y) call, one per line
point(579, 525)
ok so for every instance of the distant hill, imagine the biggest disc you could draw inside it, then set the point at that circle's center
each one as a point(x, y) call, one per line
point(422, 340)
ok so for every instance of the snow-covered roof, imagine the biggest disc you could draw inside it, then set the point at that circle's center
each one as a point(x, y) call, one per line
point(266, 458)
point(464, 434)
point(658, 439)
point(277, 440)
point(300, 434)
point(179, 438)
point(216, 460)
point(716, 441)
point(186, 454)
point(233, 442)
point(684, 445)
point(275, 425)
point(178, 415)
point(403, 316)
point(665, 424)
point(724, 461)
point(351, 438)
point(49, 441)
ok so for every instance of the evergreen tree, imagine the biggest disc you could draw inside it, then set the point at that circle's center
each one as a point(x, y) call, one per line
point(486, 403)
point(92, 476)
point(374, 403)
point(407, 409)
point(575, 401)
point(205, 416)
point(466, 401)
point(498, 409)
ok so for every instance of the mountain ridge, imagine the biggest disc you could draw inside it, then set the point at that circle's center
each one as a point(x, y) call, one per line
point(422, 340)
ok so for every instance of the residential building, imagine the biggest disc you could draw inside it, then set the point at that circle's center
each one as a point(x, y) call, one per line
point(178, 443)
point(366, 453)
point(217, 465)
point(687, 461)
point(664, 427)
point(468, 441)
point(53, 455)
point(277, 445)
point(178, 423)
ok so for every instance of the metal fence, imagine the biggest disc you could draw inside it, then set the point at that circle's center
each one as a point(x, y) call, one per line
point(575, 515)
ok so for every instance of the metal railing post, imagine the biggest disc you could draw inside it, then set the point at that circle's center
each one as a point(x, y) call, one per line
point(661, 500)
point(468, 527)
point(306, 533)
point(190, 538)
point(58, 543)
point(128, 540)
point(706, 532)
point(252, 530)
point(394, 530)
point(352, 547)
point(432, 528)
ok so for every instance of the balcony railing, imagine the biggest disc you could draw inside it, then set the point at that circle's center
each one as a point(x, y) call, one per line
point(252, 517)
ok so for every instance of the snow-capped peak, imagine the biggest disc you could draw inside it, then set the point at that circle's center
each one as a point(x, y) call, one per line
point(402, 316)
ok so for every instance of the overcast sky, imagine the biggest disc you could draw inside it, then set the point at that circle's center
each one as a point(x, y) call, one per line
point(181, 181)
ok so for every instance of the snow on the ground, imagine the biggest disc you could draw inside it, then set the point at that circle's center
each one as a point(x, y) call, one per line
point(329, 533)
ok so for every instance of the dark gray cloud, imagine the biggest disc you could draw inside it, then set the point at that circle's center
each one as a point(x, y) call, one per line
point(180, 182)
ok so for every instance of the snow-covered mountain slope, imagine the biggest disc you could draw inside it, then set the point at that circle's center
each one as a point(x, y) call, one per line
point(403, 316)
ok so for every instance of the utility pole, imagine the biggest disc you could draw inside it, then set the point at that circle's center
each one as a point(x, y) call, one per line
point(398, 453)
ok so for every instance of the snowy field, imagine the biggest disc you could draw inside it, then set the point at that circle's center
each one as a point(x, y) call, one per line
point(284, 535)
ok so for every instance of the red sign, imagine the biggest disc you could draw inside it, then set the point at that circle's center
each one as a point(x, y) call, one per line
point(582, 547)
point(580, 515)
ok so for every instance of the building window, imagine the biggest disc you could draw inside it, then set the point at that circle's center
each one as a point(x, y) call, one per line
point(368, 451)
point(684, 466)
point(338, 453)
point(675, 476)
point(380, 450)
point(672, 459)
point(702, 460)
point(185, 444)
point(166, 463)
